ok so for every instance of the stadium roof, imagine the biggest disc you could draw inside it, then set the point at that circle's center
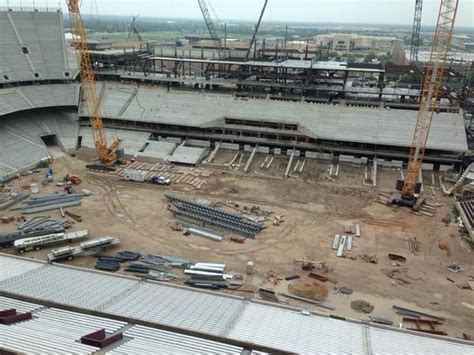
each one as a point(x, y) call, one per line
point(209, 314)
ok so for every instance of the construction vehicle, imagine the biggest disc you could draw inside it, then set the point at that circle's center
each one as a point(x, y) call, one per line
point(107, 154)
point(73, 179)
point(48, 176)
point(134, 175)
point(434, 74)
point(68, 188)
point(87, 248)
point(36, 243)
point(161, 180)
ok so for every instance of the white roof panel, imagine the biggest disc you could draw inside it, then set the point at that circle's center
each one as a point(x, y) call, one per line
point(205, 312)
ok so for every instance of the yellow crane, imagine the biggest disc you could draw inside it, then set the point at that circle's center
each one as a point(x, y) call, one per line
point(434, 73)
point(107, 154)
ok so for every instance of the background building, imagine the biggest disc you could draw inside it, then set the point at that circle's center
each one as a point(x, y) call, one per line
point(341, 42)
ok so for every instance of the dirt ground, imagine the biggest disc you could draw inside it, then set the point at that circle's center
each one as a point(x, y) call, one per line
point(314, 209)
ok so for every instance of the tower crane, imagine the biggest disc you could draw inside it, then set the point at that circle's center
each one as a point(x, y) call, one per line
point(107, 154)
point(434, 73)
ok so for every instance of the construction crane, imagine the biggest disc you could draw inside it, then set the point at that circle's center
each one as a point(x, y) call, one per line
point(415, 36)
point(207, 18)
point(132, 29)
point(256, 31)
point(107, 154)
point(434, 73)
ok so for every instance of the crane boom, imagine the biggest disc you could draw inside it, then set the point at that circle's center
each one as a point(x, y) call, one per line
point(207, 18)
point(252, 41)
point(131, 27)
point(415, 36)
point(107, 155)
point(434, 73)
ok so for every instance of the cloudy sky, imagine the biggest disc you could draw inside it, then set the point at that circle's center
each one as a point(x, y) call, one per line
point(351, 11)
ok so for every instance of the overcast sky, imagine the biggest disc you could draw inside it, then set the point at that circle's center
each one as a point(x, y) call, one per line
point(351, 11)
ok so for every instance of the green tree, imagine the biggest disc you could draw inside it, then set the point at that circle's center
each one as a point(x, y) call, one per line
point(369, 57)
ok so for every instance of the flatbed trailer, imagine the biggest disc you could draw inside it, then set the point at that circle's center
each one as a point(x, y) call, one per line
point(86, 248)
point(36, 243)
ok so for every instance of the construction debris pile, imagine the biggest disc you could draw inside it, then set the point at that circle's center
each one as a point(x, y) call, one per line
point(362, 306)
point(207, 215)
point(309, 288)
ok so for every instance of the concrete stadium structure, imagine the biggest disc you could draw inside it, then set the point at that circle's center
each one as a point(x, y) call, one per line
point(271, 122)
point(37, 89)
point(38, 74)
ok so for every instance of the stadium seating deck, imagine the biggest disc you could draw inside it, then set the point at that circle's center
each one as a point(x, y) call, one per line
point(37, 96)
point(21, 146)
point(33, 47)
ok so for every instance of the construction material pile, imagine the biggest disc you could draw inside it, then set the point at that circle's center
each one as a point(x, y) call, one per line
point(35, 227)
point(112, 263)
point(343, 243)
point(41, 203)
point(11, 200)
point(213, 216)
point(309, 288)
point(362, 306)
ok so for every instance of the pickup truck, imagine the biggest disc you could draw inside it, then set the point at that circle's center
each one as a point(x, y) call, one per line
point(160, 180)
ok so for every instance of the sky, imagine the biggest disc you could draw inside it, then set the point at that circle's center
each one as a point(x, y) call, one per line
point(348, 11)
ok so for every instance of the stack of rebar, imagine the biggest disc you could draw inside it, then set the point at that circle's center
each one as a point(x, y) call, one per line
point(12, 200)
point(41, 203)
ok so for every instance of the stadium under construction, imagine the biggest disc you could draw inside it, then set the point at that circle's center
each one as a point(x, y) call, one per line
point(313, 107)
point(191, 117)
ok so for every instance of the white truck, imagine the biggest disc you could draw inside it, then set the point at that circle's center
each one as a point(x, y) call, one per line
point(134, 175)
point(36, 243)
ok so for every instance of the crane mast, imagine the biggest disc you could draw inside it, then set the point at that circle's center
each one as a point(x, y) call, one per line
point(434, 73)
point(107, 155)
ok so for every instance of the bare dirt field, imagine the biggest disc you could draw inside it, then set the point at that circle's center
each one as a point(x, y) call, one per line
point(314, 209)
